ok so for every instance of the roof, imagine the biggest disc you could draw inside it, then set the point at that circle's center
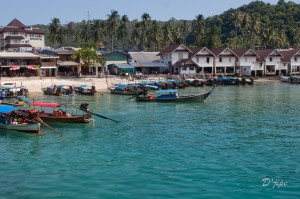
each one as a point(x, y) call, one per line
point(166, 91)
point(17, 45)
point(264, 54)
point(18, 55)
point(44, 104)
point(242, 52)
point(217, 51)
point(151, 64)
point(288, 54)
point(183, 62)
point(16, 23)
point(7, 109)
point(68, 63)
point(144, 56)
point(195, 51)
point(14, 37)
point(172, 48)
point(122, 66)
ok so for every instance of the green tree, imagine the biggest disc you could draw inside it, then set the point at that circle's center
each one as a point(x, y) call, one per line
point(123, 31)
point(113, 23)
point(145, 21)
point(55, 32)
point(199, 29)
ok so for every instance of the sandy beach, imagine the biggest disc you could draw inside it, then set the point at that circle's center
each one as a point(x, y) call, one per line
point(34, 84)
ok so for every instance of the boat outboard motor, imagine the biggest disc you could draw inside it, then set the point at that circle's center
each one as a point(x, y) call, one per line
point(84, 107)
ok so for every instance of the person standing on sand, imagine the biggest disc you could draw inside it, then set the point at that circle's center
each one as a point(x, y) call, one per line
point(3, 94)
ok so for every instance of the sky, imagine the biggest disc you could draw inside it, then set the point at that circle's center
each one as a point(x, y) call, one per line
point(41, 12)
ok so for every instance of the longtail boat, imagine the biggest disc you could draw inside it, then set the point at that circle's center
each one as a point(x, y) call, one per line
point(54, 112)
point(12, 118)
point(172, 96)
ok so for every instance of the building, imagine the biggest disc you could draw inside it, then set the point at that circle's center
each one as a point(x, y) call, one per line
point(270, 60)
point(247, 64)
point(291, 60)
point(17, 37)
point(204, 58)
point(16, 64)
point(224, 61)
point(147, 62)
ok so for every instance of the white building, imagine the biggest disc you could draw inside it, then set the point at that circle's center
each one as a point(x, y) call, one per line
point(19, 38)
point(270, 60)
point(204, 58)
point(291, 60)
point(224, 61)
point(247, 64)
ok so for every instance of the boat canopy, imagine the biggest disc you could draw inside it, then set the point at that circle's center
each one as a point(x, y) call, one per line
point(44, 104)
point(166, 91)
point(7, 109)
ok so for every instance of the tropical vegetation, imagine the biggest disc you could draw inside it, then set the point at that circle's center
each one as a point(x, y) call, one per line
point(257, 25)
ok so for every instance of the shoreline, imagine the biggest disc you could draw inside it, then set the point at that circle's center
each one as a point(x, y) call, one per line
point(34, 84)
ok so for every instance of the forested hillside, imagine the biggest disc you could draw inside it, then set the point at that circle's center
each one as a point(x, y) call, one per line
point(256, 25)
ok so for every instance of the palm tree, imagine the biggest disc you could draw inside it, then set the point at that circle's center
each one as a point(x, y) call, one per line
point(144, 24)
point(123, 31)
point(213, 38)
point(254, 29)
point(155, 36)
point(237, 18)
point(167, 34)
point(55, 32)
point(98, 28)
point(185, 28)
point(199, 29)
point(113, 23)
point(136, 34)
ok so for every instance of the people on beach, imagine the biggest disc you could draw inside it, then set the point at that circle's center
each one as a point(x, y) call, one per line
point(3, 94)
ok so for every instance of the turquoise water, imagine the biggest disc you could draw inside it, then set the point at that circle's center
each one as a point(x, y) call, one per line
point(222, 148)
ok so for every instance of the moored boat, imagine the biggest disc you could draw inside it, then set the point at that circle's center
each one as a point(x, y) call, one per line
point(53, 112)
point(12, 118)
point(172, 96)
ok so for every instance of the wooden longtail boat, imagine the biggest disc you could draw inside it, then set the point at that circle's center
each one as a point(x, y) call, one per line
point(12, 118)
point(51, 112)
point(173, 96)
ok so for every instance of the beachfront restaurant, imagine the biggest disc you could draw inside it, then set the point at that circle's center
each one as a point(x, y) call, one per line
point(19, 64)
point(68, 68)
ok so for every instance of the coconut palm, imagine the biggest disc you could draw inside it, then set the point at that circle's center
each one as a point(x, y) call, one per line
point(98, 30)
point(123, 31)
point(145, 25)
point(55, 32)
point(113, 23)
point(167, 34)
point(199, 29)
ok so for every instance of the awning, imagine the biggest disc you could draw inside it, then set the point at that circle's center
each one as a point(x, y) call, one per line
point(14, 68)
point(44, 104)
point(31, 67)
point(48, 67)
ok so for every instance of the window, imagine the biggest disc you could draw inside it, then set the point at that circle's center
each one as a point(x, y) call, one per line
point(229, 59)
point(284, 64)
point(170, 56)
point(183, 68)
point(180, 55)
point(295, 58)
point(237, 59)
point(245, 58)
point(197, 59)
point(192, 67)
point(207, 60)
point(220, 59)
point(271, 59)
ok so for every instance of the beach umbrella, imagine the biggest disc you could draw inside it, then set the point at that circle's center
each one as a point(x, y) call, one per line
point(31, 67)
point(14, 68)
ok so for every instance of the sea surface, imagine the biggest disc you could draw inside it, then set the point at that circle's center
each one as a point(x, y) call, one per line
point(242, 142)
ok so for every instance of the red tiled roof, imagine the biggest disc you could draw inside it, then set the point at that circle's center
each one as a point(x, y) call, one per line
point(242, 52)
point(172, 48)
point(35, 31)
point(11, 29)
point(14, 37)
point(183, 62)
point(16, 23)
point(288, 54)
